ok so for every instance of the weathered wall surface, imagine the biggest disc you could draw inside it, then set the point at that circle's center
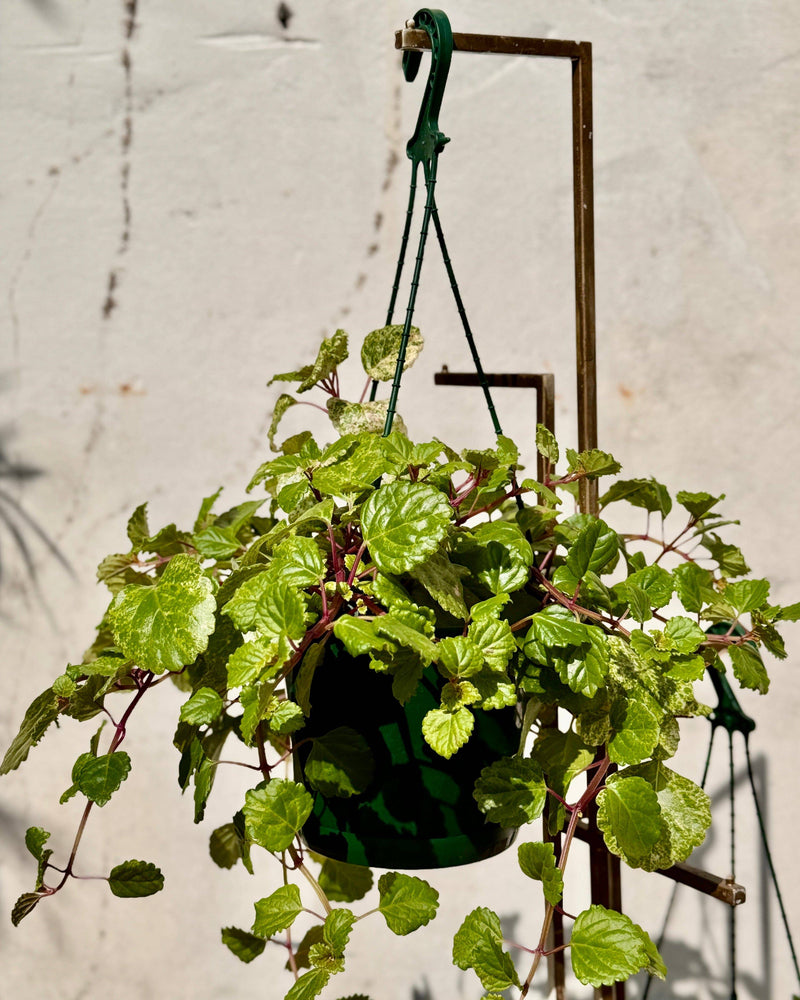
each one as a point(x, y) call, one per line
point(190, 195)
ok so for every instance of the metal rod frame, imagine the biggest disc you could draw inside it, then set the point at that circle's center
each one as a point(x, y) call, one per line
point(606, 882)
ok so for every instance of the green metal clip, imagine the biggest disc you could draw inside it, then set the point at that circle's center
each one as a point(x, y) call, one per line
point(728, 712)
point(428, 139)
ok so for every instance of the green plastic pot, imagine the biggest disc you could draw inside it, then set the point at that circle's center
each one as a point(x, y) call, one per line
point(418, 810)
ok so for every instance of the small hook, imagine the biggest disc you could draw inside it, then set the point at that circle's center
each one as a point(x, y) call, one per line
point(427, 139)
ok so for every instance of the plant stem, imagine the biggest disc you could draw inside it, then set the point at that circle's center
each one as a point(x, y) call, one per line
point(591, 790)
point(119, 736)
point(298, 864)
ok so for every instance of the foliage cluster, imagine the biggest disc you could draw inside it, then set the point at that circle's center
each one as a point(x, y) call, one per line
point(383, 543)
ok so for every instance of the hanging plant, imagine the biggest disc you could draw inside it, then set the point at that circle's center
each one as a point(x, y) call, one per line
point(473, 602)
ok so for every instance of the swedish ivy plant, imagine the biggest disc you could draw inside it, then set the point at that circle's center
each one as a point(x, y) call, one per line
point(416, 556)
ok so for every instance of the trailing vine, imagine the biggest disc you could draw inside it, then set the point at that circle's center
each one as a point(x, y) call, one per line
point(416, 557)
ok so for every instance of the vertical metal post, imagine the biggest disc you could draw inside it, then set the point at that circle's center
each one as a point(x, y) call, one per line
point(583, 194)
point(606, 880)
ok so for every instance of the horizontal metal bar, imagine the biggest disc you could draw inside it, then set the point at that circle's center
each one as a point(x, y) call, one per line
point(544, 384)
point(508, 45)
point(509, 380)
point(724, 889)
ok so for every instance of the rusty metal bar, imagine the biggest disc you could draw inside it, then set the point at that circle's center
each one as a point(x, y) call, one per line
point(544, 384)
point(509, 45)
point(724, 889)
point(583, 200)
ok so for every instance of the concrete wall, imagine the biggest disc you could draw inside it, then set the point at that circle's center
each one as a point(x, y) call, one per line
point(192, 194)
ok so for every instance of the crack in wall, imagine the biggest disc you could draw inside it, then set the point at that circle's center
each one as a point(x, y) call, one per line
point(110, 301)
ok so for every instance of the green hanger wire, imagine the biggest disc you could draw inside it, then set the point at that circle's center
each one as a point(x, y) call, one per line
point(423, 149)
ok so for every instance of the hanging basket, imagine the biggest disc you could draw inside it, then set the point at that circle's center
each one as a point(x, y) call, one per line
point(418, 810)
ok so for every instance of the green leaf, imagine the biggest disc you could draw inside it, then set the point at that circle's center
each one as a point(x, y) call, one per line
point(562, 756)
point(684, 635)
point(250, 661)
point(478, 945)
point(42, 711)
point(546, 444)
point(728, 557)
point(608, 947)
point(217, 542)
point(494, 639)
point(302, 951)
point(594, 463)
point(332, 352)
point(23, 906)
point(133, 879)
point(138, 529)
point(655, 581)
point(344, 883)
point(698, 504)
point(99, 777)
point(255, 702)
point(748, 667)
point(630, 817)
point(167, 626)
point(103, 666)
point(747, 595)
point(442, 580)
point(203, 707)
point(499, 556)
point(693, 585)
point(35, 839)
point(340, 763)
point(305, 675)
point(336, 929)
point(298, 562)
point(459, 656)
point(537, 861)
point(225, 846)
point(204, 517)
point(381, 349)
point(639, 603)
point(555, 626)
point(403, 524)
point(406, 902)
point(684, 809)
point(274, 814)
point(286, 717)
point(277, 911)
point(511, 791)
point(357, 418)
point(358, 635)
point(267, 605)
point(397, 625)
point(282, 404)
point(309, 985)
point(646, 493)
point(446, 732)
point(637, 727)
point(585, 668)
point(245, 946)
point(594, 548)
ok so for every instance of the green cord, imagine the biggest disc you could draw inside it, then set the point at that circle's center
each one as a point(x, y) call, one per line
point(430, 183)
point(732, 914)
point(465, 323)
point(675, 885)
point(401, 258)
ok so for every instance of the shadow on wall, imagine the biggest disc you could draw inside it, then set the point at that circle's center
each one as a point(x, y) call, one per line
point(20, 533)
point(687, 965)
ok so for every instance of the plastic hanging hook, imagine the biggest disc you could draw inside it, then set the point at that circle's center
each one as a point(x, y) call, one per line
point(427, 139)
